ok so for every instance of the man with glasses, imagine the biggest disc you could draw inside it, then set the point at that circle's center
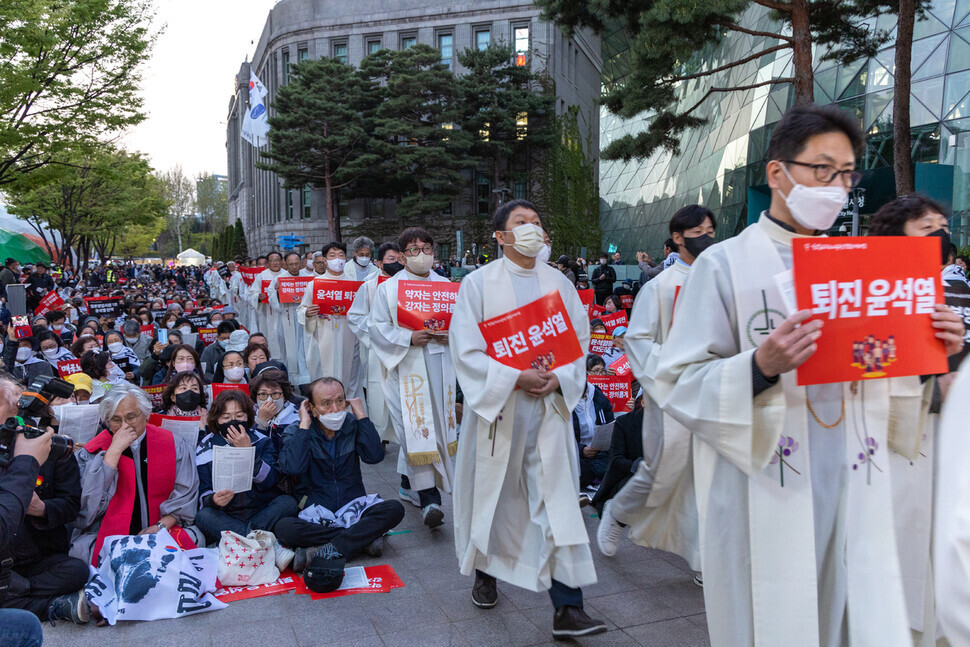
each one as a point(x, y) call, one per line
point(136, 479)
point(798, 548)
point(420, 387)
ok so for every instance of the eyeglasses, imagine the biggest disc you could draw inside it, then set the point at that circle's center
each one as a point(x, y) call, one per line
point(414, 251)
point(825, 173)
point(274, 395)
point(131, 419)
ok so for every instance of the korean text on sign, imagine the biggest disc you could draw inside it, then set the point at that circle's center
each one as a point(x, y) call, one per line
point(848, 299)
point(292, 288)
point(426, 305)
point(537, 335)
point(334, 298)
point(616, 388)
point(600, 343)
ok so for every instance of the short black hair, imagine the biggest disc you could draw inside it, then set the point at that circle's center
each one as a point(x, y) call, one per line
point(225, 327)
point(689, 217)
point(892, 217)
point(53, 315)
point(385, 248)
point(803, 122)
point(670, 244)
point(501, 215)
point(288, 254)
point(260, 257)
point(963, 258)
point(271, 254)
point(412, 234)
point(593, 360)
point(334, 245)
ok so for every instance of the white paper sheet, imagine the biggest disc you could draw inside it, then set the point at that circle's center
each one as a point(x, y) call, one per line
point(602, 437)
point(354, 578)
point(78, 422)
point(187, 428)
point(232, 468)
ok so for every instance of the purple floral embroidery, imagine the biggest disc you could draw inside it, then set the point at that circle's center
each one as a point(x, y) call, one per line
point(865, 457)
point(786, 447)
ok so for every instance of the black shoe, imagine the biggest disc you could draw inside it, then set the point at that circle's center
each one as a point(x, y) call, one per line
point(572, 622)
point(433, 515)
point(375, 548)
point(302, 557)
point(73, 607)
point(484, 593)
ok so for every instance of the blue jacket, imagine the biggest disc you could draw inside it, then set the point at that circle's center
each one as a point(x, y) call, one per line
point(265, 475)
point(328, 471)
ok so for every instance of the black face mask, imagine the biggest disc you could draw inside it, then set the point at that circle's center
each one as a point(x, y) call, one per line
point(392, 268)
point(944, 244)
point(223, 428)
point(187, 400)
point(698, 244)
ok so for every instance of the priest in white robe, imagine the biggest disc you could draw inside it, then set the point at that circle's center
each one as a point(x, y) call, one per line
point(657, 503)
point(330, 343)
point(288, 325)
point(360, 266)
point(792, 483)
point(517, 514)
point(421, 387)
point(259, 302)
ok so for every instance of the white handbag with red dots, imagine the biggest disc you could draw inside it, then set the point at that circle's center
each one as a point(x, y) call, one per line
point(247, 561)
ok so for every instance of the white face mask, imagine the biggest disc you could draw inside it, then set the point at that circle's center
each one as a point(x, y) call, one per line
point(116, 347)
point(23, 354)
point(362, 261)
point(814, 207)
point(170, 325)
point(336, 265)
point(185, 330)
point(420, 264)
point(235, 373)
point(50, 353)
point(529, 239)
point(544, 254)
point(132, 340)
point(181, 367)
point(333, 421)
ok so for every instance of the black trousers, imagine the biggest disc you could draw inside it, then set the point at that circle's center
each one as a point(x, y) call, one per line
point(33, 585)
point(294, 532)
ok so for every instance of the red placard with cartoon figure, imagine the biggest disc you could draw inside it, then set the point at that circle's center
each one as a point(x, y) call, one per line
point(334, 298)
point(249, 274)
point(537, 335)
point(51, 301)
point(426, 305)
point(292, 288)
point(616, 388)
point(876, 313)
point(600, 343)
point(155, 393)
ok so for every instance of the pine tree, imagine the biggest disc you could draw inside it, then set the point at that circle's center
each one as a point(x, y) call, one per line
point(240, 248)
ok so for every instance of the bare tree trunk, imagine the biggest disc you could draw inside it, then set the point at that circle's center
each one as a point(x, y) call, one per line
point(333, 215)
point(902, 144)
point(802, 53)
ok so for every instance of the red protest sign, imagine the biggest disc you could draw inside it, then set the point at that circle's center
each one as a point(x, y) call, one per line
point(614, 321)
point(51, 301)
point(587, 297)
point(288, 581)
point(595, 311)
point(68, 367)
point(155, 393)
point(621, 366)
point(600, 343)
point(381, 278)
point(218, 388)
point(208, 335)
point(249, 274)
point(616, 388)
point(333, 297)
point(263, 286)
point(426, 305)
point(537, 335)
point(291, 288)
point(876, 314)
point(626, 300)
point(148, 330)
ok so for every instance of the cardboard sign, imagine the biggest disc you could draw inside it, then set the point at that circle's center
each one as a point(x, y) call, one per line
point(627, 301)
point(51, 301)
point(249, 274)
point(622, 366)
point(588, 298)
point(426, 305)
point(334, 298)
point(67, 367)
point(292, 288)
point(219, 387)
point(957, 296)
point(155, 394)
point(614, 320)
point(104, 306)
point(537, 335)
point(208, 335)
point(616, 388)
point(876, 313)
point(148, 330)
point(600, 343)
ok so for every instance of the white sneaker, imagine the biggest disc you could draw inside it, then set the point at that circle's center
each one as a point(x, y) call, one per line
point(609, 532)
point(409, 495)
point(284, 556)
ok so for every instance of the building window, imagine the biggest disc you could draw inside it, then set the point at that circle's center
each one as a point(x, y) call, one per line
point(483, 38)
point(407, 42)
point(446, 45)
point(340, 52)
point(373, 46)
point(484, 194)
point(521, 125)
point(285, 57)
point(289, 204)
point(305, 191)
point(519, 189)
point(302, 54)
point(521, 35)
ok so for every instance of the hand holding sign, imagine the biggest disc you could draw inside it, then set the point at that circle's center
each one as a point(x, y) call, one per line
point(789, 345)
point(949, 328)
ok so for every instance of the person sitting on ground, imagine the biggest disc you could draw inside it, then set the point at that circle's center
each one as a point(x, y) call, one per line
point(102, 370)
point(592, 410)
point(27, 366)
point(140, 345)
point(613, 304)
point(626, 454)
point(185, 396)
point(617, 351)
point(123, 357)
point(255, 354)
point(213, 353)
point(83, 344)
point(277, 405)
point(231, 422)
point(52, 349)
point(323, 451)
point(231, 370)
point(60, 326)
point(183, 358)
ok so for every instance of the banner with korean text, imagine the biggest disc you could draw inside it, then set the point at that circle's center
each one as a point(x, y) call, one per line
point(104, 306)
point(537, 335)
point(426, 305)
point(154, 393)
point(600, 343)
point(292, 288)
point(51, 301)
point(67, 367)
point(616, 388)
point(614, 321)
point(588, 299)
point(876, 313)
point(334, 298)
point(249, 274)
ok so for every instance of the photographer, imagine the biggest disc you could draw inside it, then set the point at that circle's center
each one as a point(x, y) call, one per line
point(38, 498)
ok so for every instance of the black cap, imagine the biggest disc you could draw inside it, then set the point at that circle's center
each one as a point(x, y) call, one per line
point(563, 260)
point(324, 574)
point(42, 264)
point(10, 261)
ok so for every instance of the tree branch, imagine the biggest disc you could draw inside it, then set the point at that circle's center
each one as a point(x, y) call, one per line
point(736, 89)
point(751, 32)
point(728, 66)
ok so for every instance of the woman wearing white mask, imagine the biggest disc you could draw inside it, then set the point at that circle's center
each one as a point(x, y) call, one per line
point(52, 349)
point(123, 357)
point(232, 369)
point(276, 404)
point(27, 366)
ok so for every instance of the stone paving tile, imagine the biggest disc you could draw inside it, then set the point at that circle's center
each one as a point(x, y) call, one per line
point(677, 632)
point(501, 630)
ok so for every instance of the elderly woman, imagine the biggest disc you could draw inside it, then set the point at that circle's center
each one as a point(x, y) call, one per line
point(135, 478)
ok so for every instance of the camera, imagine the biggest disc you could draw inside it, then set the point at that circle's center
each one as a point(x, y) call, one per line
point(34, 406)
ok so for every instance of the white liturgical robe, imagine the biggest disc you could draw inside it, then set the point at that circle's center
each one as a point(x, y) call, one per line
point(374, 373)
point(330, 343)
point(265, 319)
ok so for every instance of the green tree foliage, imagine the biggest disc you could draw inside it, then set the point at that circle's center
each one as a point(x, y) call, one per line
point(69, 76)
point(317, 131)
point(212, 201)
point(567, 193)
point(239, 241)
point(667, 36)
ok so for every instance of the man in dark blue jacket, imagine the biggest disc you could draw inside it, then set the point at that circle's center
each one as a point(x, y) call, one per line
point(323, 451)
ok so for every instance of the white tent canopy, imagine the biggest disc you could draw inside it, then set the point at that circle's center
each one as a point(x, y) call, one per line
point(190, 257)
